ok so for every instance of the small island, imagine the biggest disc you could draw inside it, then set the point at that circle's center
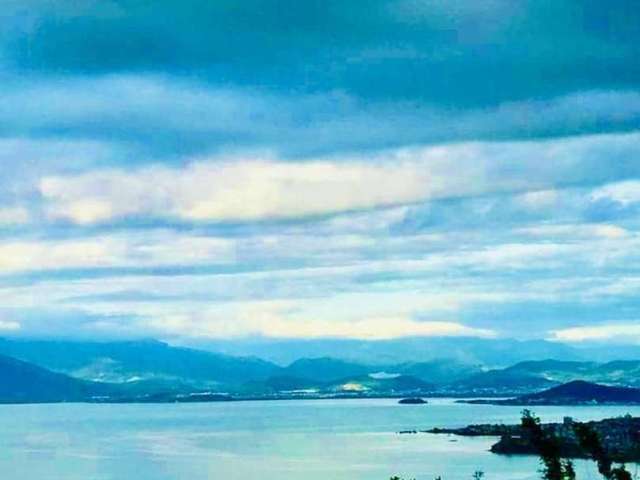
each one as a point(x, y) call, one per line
point(413, 401)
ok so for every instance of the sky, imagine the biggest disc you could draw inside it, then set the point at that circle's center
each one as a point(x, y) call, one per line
point(307, 169)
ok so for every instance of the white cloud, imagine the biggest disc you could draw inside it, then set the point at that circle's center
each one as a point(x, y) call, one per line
point(9, 325)
point(281, 320)
point(576, 231)
point(625, 332)
point(141, 250)
point(10, 216)
point(255, 188)
point(537, 200)
point(15, 256)
point(250, 189)
point(626, 193)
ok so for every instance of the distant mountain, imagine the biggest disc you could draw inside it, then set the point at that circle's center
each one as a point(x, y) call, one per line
point(605, 352)
point(26, 383)
point(579, 393)
point(621, 372)
point(441, 371)
point(284, 383)
point(326, 376)
point(325, 369)
point(466, 350)
point(23, 382)
point(141, 361)
point(393, 385)
point(550, 368)
point(535, 375)
point(501, 382)
point(151, 367)
point(357, 385)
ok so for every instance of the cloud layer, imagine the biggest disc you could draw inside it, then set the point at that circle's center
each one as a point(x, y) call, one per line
point(244, 189)
point(309, 169)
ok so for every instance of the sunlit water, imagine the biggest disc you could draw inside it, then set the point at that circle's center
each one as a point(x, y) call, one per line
point(280, 440)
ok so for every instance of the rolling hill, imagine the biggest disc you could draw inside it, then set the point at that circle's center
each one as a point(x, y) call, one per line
point(373, 384)
point(579, 393)
point(23, 382)
point(139, 361)
point(148, 367)
point(500, 382)
point(325, 369)
point(440, 371)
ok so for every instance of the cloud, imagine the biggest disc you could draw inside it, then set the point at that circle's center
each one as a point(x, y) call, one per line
point(576, 231)
point(243, 190)
point(622, 332)
point(110, 251)
point(273, 319)
point(624, 193)
point(416, 175)
point(144, 116)
point(10, 216)
point(255, 188)
point(537, 200)
point(452, 54)
point(461, 277)
point(9, 325)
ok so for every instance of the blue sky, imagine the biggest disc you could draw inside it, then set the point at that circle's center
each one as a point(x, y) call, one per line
point(196, 169)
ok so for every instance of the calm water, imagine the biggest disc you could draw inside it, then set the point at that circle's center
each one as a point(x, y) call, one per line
point(283, 440)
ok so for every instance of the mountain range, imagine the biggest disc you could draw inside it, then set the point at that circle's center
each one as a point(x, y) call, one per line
point(577, 392)
point(532, 376)
point(139, 361)
point(24, 382)
point(61, 370)
point(498, 352)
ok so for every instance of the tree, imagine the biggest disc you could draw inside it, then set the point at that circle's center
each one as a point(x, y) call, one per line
point(620, 473)
point(590, 442)
point(547, 446)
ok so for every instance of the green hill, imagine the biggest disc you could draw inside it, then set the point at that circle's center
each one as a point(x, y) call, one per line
point(23, 382)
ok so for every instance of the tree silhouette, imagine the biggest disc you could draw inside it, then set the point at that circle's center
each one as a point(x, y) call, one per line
point(548, 447)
